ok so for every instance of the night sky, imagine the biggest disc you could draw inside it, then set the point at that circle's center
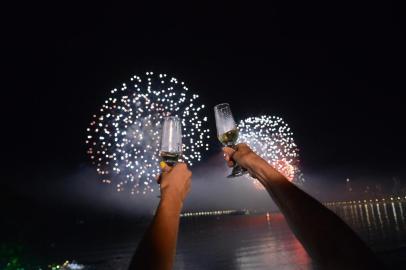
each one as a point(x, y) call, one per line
point(334, 72)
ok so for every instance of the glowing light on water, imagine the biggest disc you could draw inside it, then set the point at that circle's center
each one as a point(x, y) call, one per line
point(124, 136)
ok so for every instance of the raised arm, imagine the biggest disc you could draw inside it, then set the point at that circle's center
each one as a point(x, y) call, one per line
point(327, 239)
point(157, 248)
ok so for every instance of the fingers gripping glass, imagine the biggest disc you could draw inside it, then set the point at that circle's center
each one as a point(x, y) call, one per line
point(171, 144)
point(227, 132)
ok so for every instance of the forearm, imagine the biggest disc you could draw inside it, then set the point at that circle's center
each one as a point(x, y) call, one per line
point(324, 235)
point(156, 250)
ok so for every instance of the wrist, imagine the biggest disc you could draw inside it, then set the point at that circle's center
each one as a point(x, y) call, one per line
point(255, 162)
point(265, 172)
point(171, 199)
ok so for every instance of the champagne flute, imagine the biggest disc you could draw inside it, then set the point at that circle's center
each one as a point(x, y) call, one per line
point(171, 144)
point(227, 132)
point(171, 141)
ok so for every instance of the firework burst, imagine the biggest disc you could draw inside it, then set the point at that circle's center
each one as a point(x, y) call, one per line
point(124, 137)
point(272, 139)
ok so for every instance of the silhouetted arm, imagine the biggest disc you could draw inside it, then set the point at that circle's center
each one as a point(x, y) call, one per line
point(157, 248)
point(327, 239)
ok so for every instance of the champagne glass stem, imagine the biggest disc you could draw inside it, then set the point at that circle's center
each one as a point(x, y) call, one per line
point(237, 169)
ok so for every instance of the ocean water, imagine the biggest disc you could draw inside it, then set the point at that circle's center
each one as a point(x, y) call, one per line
point(261, 241)
point(266, 242)
point(240, 242)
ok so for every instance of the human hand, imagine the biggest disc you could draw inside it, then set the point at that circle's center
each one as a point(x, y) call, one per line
point(175, 181)
point(241, 154)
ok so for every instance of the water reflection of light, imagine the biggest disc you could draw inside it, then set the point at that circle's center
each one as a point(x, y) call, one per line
point(301, 257)
point(355, 213)
point(380, 222)
point(385, 211)
point(367, 216)
point(401, 213)
point(361, 215)
point(380, 218)
point(345, 211)
point(277, 248)
point(395, 216)
point(371, 206)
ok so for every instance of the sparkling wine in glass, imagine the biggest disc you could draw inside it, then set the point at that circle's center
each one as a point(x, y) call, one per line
point(171, 144)
point(227, 132)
